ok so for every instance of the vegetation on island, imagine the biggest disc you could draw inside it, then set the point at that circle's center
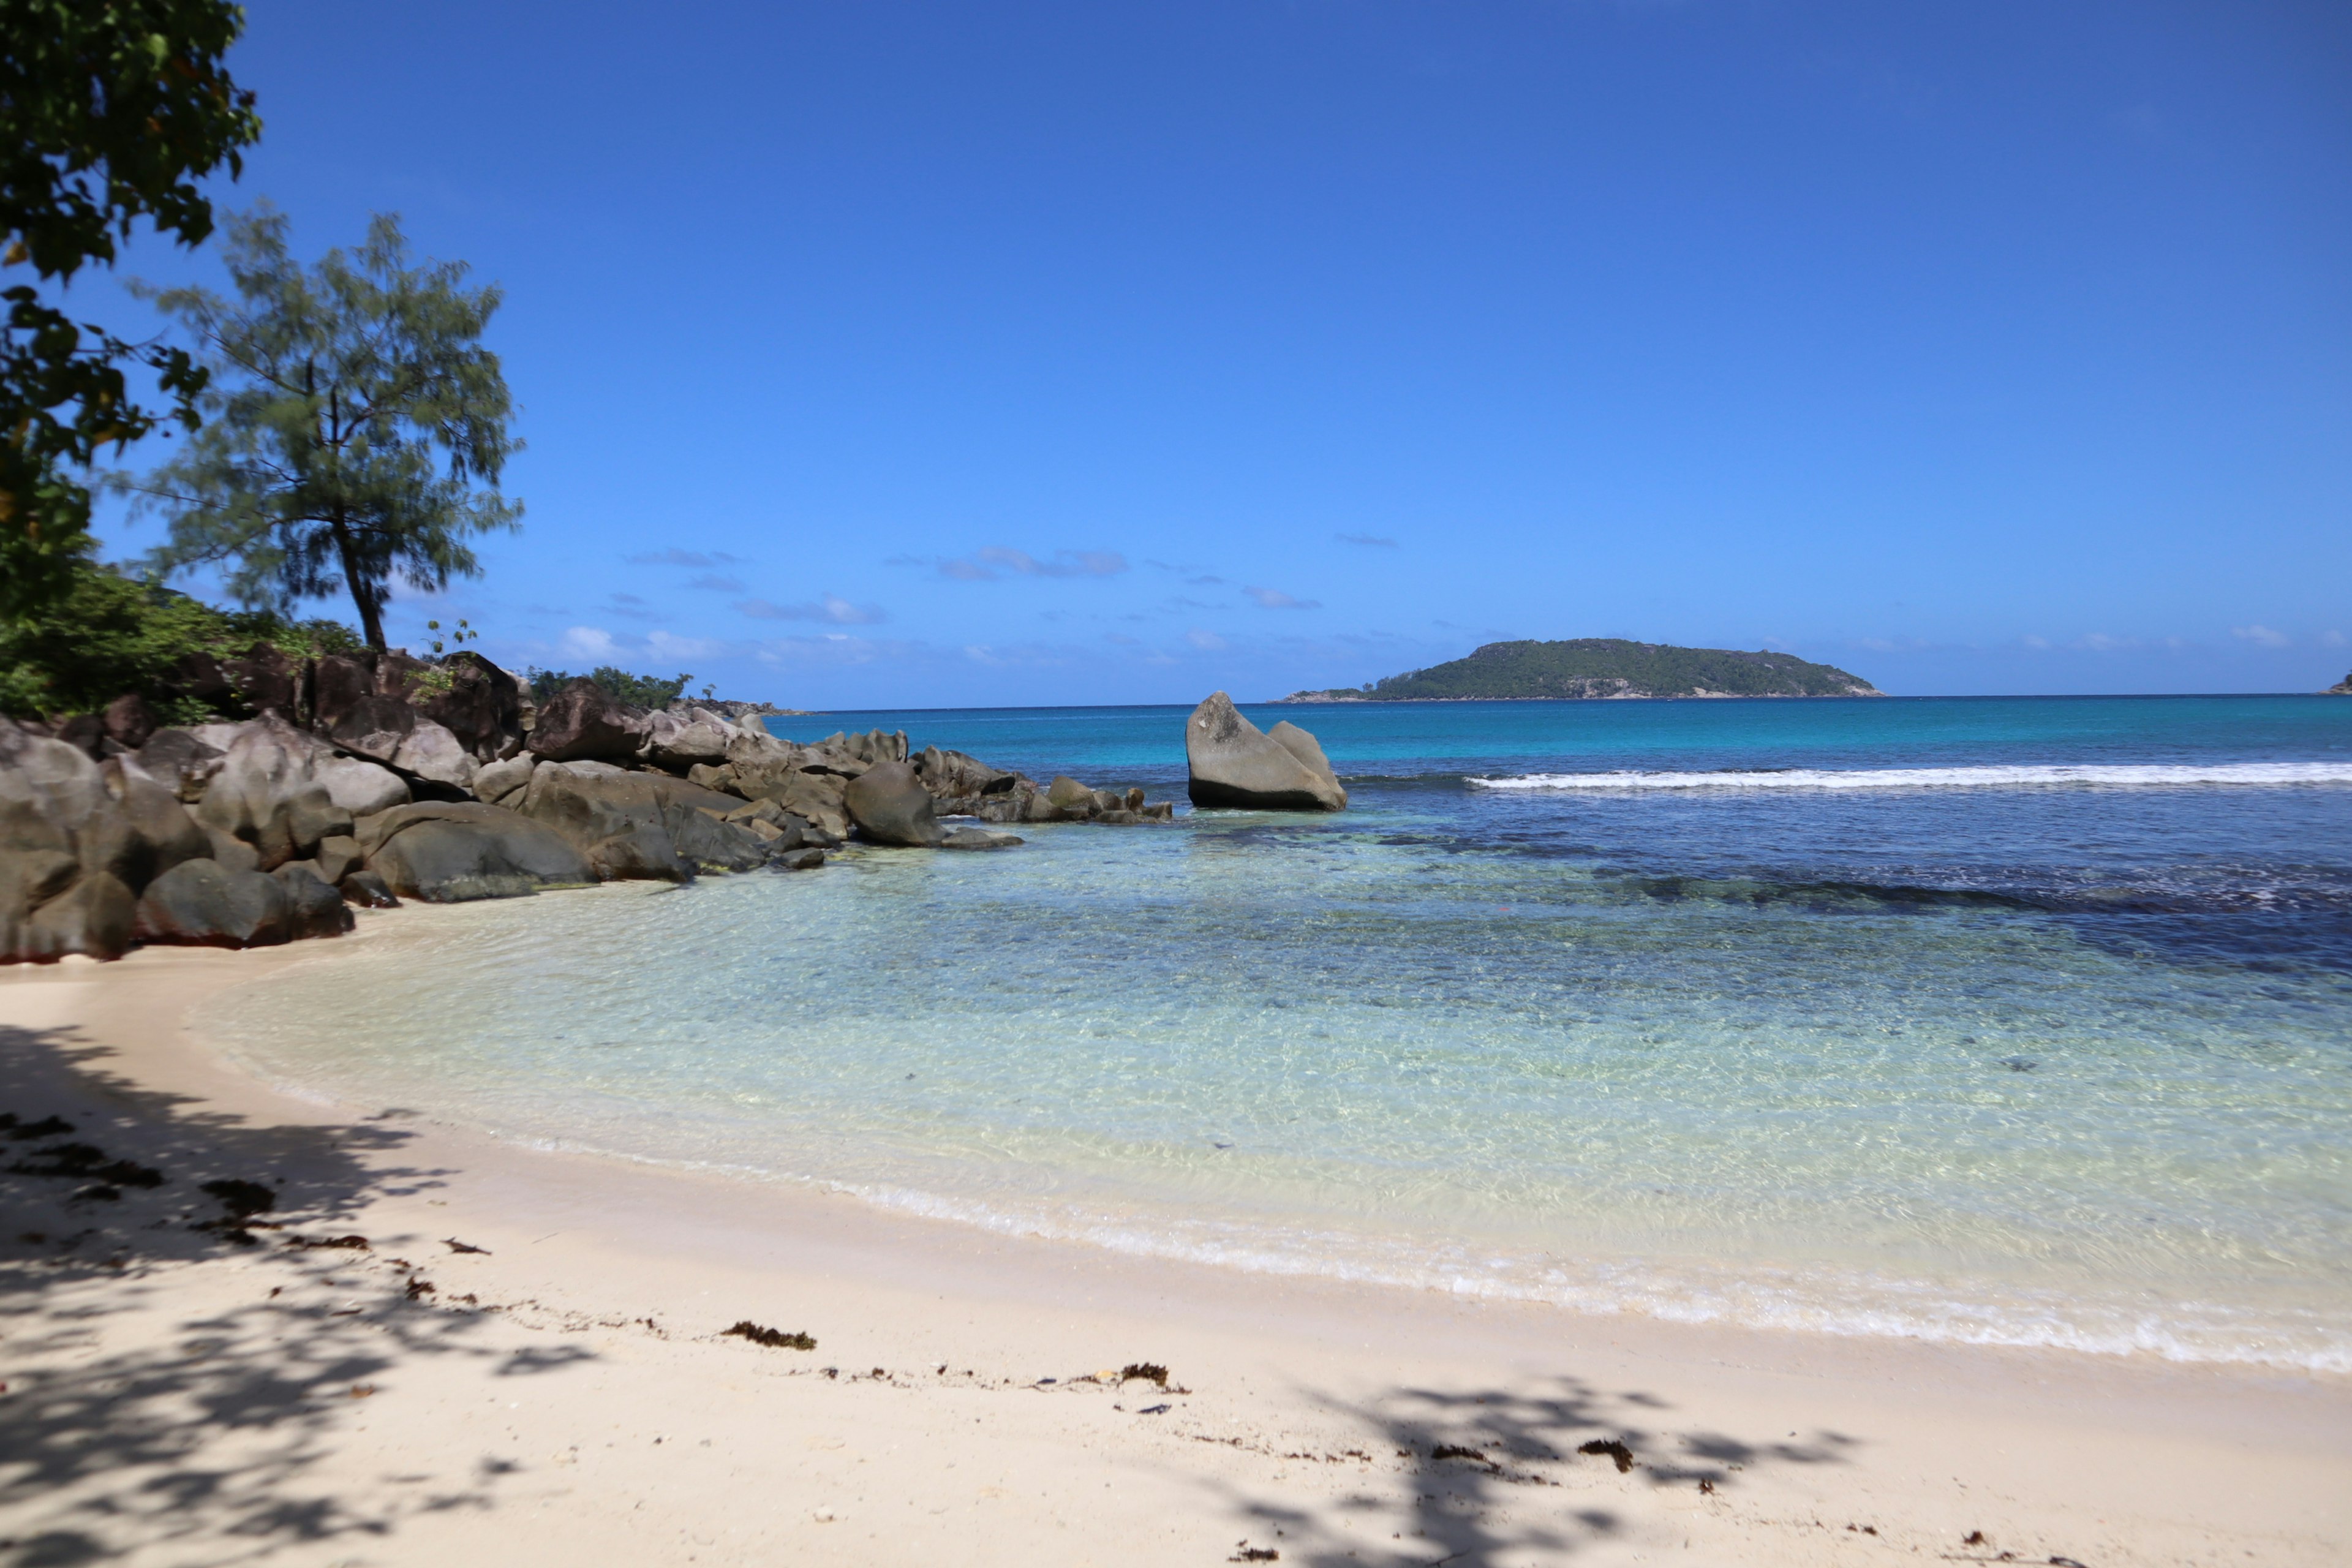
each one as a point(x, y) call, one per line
point(637, 690)
point(1586, 667)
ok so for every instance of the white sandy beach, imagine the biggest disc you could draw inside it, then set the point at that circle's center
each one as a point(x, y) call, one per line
point(563, 1394)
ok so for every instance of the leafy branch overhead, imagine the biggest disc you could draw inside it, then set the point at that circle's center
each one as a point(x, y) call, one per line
point(113, 110)
point(355, 428)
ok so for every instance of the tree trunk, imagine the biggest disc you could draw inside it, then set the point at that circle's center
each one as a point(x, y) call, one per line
point(362, 594)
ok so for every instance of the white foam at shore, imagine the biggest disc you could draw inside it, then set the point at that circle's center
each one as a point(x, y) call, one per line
point(2122, 775)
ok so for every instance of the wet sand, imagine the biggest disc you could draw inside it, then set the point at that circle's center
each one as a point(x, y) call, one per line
point(562, 1390)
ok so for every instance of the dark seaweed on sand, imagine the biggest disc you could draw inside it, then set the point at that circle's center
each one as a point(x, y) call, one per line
point(1612, 1447)
point(774, 1338)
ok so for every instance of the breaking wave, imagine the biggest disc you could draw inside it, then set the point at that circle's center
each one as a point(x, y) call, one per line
point(2107, 776)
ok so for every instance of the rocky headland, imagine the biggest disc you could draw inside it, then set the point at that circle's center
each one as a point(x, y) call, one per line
point(361, 780)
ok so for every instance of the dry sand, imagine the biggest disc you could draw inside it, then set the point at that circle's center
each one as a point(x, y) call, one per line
point(561, 1391)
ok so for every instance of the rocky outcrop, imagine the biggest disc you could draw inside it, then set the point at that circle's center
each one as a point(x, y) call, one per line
point(1233, 764)
point(611, 816)
point(266, 792)
point(889, 805)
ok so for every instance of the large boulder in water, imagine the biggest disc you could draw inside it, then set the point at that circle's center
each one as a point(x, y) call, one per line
point(890, 805)
point(585, 723)
point(1235, 763)
point(453, 852)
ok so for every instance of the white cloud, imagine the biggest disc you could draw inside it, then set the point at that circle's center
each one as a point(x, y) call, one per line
point(589, 642)
point(2263, 635)
point(2100, 642)
point(984, 566)
point(1273, 599)
point(670, 645)
point(2332, 639)
point(830, 607)
point(1203, 639)
point(2035, 643)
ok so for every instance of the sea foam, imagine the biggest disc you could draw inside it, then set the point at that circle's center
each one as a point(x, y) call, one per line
point(2110, 776)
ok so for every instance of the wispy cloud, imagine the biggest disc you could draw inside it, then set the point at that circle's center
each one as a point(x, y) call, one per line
point(2262, 636)
point(1205, 639)
point(710, 582)
point(830, 607)
point(590, 642)
point(1273, 599)
point(675, 557)
point(1373, 540)
point(2332, 639)
point(986, 565)
point(668, 644)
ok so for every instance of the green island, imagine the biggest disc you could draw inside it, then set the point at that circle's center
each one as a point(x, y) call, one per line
point(1583, 668)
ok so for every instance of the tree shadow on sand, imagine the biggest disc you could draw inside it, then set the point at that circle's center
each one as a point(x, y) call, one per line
point(1508, 1475)
point(133, 1419)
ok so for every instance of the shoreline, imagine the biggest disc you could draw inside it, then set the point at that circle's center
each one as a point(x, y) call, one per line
point(611, 1281)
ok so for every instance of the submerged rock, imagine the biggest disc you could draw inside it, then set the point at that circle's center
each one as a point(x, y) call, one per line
point(1235, 764)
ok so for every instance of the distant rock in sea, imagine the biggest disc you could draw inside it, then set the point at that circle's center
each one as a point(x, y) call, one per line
point(1603, 667)
point(2341, 688)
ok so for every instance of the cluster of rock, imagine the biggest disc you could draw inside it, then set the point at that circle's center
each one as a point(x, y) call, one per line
point(365, 780)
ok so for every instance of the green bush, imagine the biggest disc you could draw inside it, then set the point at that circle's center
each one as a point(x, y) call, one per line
point(637, 690)
point(108, 633)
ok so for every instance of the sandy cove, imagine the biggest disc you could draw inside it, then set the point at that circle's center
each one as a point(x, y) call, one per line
point(563, 1391)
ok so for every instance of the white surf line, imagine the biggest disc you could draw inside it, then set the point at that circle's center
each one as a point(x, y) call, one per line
point(2020, 776)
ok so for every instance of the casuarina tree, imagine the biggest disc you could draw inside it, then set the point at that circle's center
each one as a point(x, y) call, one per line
point(354, 429)
point(111, 110)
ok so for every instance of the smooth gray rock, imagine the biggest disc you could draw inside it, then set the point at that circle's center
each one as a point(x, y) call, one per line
point(266, 791)
point(954, 775)
point(591, 809)
point(336, 858)
point(180, 762)
point(59, 781)
point(678, 740)
point(1067, 795)
point(1235, 764)
point(140, 833)
point(432, 751)
point(889, 805)
point(359, 786)
point(978, 838)
point(313, 907)
point(96, 916)
point(642, 854)
point(499, 781)
point(366, 891)
point(451, 852)
point(197, 903)
point(799, 860)
point(232, 853)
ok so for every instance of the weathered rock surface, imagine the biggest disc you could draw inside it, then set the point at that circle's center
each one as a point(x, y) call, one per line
point(199, 904)
point(313, 907)
point(584, 721)
point(677, 741)
point(593, 808)
point(1235, 764)
point(498, 781)
point(482, 706)
point(452, 852)
point(889, 805)
point(268, 794)
point(96, 916)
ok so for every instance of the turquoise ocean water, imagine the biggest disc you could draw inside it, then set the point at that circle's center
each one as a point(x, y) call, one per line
point(2018, 1021)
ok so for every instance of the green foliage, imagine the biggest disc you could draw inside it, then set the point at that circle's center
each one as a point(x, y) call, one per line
point(1609, 667)
point(113, 109)
point(355, 428)
point(637, 690)
point(106, 633)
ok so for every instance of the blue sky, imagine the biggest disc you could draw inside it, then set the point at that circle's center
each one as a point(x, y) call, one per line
point(948, 354)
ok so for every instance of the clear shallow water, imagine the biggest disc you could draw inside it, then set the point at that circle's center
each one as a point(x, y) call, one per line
point(2054, 1050)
